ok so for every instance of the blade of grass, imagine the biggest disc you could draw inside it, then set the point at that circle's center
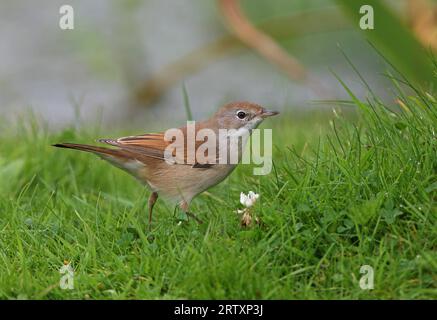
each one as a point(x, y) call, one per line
point(187, 103)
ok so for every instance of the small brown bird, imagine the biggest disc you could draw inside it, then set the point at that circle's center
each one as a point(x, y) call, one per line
point(171, 173)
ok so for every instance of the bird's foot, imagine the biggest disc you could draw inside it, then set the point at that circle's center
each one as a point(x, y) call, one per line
point(192, 215)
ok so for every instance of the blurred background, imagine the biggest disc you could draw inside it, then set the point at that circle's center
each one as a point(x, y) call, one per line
point(128, 61)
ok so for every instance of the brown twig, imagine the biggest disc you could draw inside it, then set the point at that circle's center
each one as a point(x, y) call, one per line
point(422, 15)
point(194, 61)
point(261, 42)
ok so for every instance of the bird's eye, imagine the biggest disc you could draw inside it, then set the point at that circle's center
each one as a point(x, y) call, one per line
point(241, 114)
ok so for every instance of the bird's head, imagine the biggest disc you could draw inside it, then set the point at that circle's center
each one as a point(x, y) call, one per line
point(239, 115)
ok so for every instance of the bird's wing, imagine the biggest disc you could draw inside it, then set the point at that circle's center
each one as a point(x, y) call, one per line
point(154, 145)
point(150, 145)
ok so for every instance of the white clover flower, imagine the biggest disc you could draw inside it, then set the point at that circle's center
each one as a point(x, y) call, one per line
point(249, 199)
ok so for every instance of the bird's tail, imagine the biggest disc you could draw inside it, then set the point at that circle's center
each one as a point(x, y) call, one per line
point(94, 149)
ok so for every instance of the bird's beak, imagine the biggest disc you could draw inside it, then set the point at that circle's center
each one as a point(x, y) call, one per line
point(268, 113)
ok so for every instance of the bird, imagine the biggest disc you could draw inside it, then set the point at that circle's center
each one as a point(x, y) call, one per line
point(168, 171)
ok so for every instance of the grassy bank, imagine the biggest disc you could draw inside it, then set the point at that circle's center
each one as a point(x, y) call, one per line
point(342, 194)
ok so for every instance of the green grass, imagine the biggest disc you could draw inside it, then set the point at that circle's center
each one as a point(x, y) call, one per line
point(343, 193)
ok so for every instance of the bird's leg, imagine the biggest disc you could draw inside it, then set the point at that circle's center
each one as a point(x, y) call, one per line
point(152, 200)
point(184, 207)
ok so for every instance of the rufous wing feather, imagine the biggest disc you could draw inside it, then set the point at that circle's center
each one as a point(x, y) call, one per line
point(154, 145)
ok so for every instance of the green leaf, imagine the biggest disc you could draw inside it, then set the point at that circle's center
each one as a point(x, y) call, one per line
point(400, 125)
point(431, 187)
point(390, 215)
point(394, 40)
